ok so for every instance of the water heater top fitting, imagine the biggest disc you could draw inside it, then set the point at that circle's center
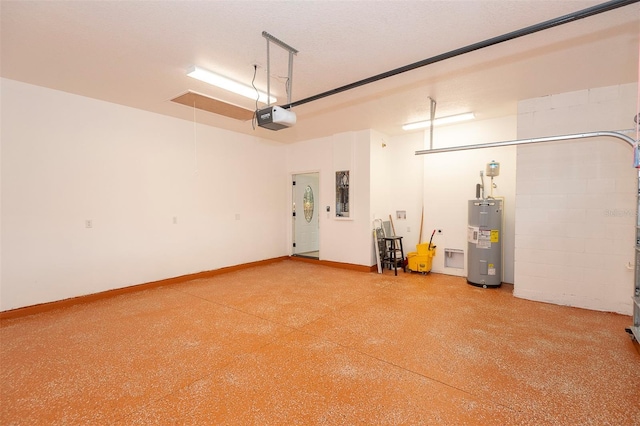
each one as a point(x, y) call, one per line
point(493, 169)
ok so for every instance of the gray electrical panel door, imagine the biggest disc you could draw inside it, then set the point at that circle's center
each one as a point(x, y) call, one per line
point(484, 243)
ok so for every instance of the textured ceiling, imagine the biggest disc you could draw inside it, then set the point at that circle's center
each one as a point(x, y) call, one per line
point(136, 53)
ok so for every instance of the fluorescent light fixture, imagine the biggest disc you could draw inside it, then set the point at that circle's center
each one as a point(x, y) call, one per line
point(228, 84)
point(439, 121)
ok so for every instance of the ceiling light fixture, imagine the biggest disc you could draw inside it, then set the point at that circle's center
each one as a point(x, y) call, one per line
point(228, 84)
point(439, 121)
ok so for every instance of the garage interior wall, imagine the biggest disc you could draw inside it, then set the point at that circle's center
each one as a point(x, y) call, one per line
point(576, 201)
point(68, 159)
point(340, 240)
point(396, 184)
point(450, 181)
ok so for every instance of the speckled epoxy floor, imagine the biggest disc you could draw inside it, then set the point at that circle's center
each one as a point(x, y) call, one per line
point(297, 343)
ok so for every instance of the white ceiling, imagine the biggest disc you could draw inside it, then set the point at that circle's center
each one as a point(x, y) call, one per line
point(136, 53)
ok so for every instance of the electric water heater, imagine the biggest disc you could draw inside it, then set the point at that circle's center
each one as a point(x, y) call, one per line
point(484, 243)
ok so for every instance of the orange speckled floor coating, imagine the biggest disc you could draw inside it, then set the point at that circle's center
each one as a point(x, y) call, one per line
point(296, 343)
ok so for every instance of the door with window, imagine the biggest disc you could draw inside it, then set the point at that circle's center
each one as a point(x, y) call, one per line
point(305, 215)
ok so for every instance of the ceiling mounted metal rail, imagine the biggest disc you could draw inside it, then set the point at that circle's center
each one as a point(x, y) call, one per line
point(617, 135)
point(581, 14)
point(292, 51)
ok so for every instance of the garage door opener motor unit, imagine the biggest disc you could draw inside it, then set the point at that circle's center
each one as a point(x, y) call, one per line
point(274, 117)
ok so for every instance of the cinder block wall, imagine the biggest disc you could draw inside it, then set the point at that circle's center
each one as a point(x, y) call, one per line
point(575, 201)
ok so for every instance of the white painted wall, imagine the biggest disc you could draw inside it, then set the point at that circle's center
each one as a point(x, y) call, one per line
point(576, 201)
point(67, 159)
point(341, 240)
point(396, 184)
point(449, 181)
point(305, 157)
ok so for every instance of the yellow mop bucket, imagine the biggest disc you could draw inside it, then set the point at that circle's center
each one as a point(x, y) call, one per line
point(420, 260)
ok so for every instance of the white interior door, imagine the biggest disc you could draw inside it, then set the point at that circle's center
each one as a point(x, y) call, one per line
point(306, 199)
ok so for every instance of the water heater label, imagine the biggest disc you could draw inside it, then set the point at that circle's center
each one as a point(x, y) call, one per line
point(492, 269)
point(484, 239)
point(495, 235)
point(472, 234)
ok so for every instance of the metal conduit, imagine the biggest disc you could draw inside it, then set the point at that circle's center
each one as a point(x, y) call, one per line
point(584, 13)
point(617, 135)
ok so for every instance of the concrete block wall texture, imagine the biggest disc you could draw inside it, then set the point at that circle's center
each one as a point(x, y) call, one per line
point(576, 201)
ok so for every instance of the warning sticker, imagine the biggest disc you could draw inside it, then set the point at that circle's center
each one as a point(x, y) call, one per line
point(492, 269)
point(495, 235)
